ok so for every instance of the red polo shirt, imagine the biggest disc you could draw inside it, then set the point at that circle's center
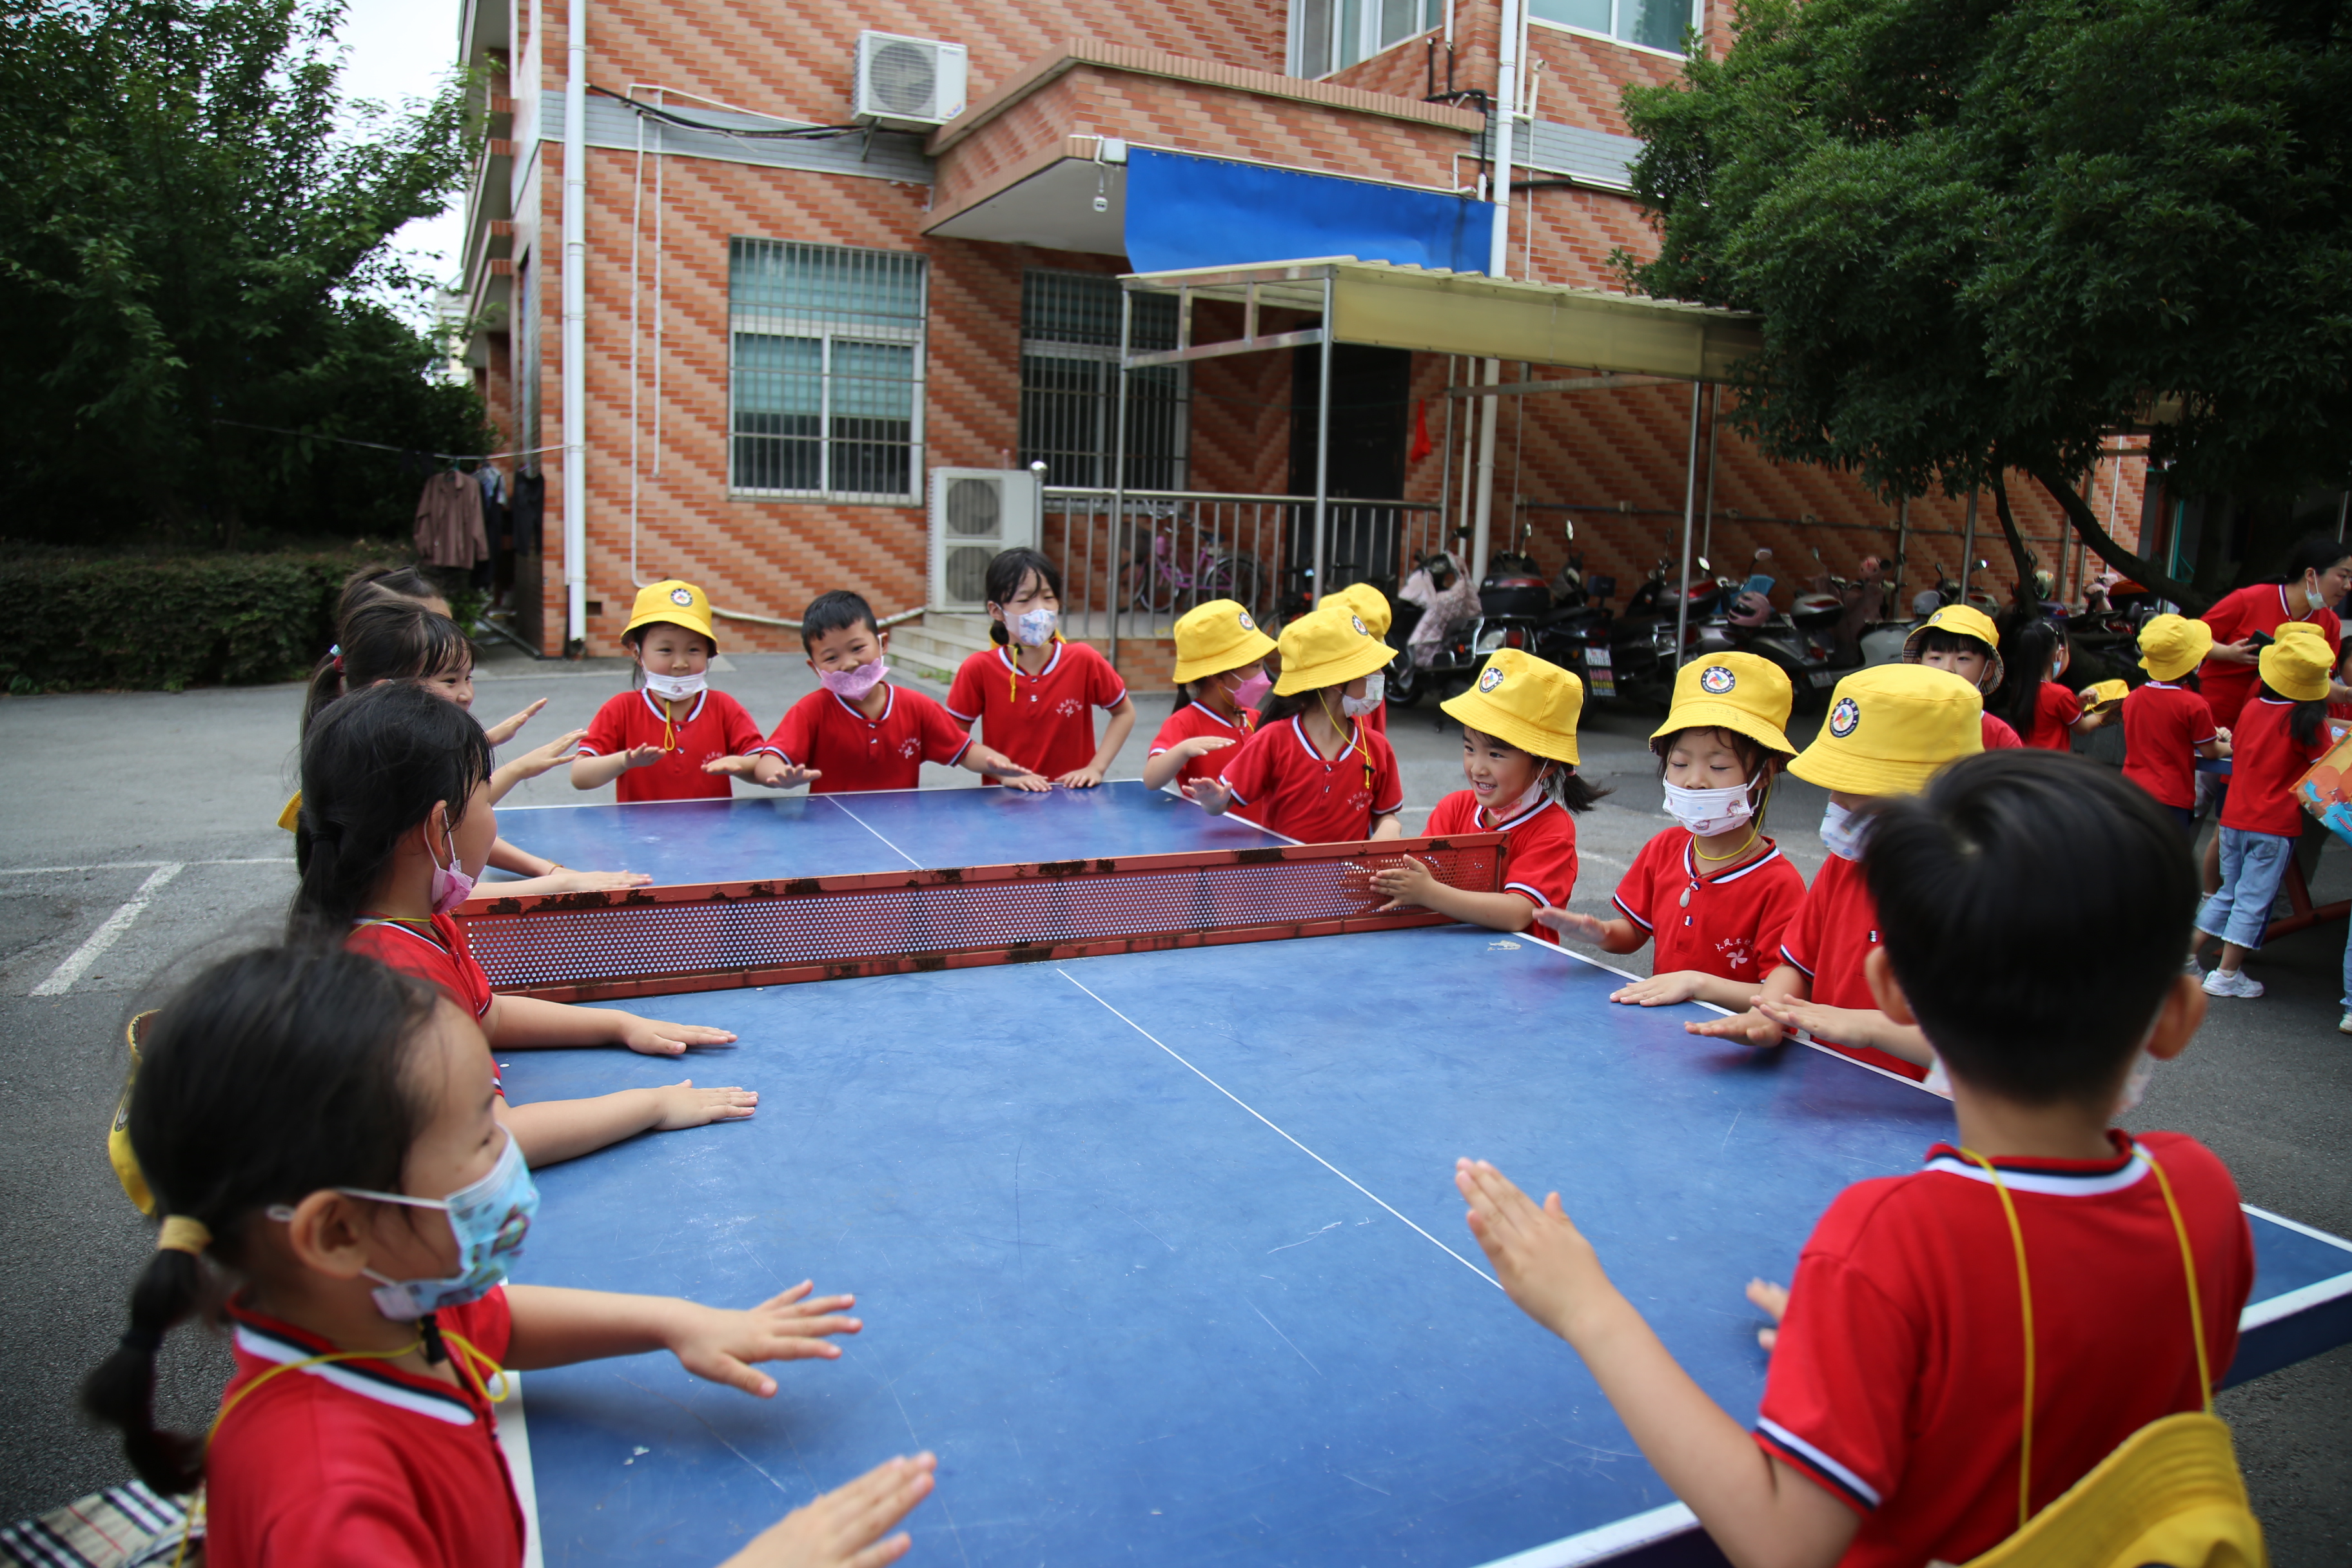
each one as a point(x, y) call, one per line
point(1724, 922)
point(1834, 928)
point(1045, 720)
point(2163, 726)
point(1281, 782)
point(436, 951)
point(715, 726)
point(2055, 710)
point(359, 1462)
point(1998, 735)
point(1192, 720)
point(1539, 858)
point(2257, 608)
point(2265, 763)
point(1895, 1382)
point(852, 752)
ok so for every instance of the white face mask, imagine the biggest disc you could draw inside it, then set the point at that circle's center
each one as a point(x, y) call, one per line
point(1842, 834)
point(1509, 810)
point(1376, 690)
point(1708, 811)
point(676, 688)
point(1034, 629)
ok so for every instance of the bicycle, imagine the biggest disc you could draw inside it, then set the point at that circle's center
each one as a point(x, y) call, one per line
point(1158, 584)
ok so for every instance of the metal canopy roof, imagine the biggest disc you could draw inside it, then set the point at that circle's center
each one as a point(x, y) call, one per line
point(1436, 311)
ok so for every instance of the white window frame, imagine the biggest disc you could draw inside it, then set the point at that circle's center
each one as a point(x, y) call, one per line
point(1368, 33)
point(771, 321)
point(1616, 11)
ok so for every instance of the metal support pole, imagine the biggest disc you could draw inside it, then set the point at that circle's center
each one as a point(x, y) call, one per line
point(1446, 478)
point(1482, 523)
point(575, 324)
point(1968, 548)
point(1118, 469)
point(1902, 554)
point(1322, 439)
point(1713, 440)
point(1690, 508)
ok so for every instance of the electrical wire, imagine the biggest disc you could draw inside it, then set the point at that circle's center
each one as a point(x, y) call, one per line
point(786, 134)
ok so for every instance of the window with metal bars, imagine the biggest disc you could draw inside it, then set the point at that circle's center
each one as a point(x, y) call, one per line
point(1330, 35)
point(1069, 385)
point(826, 371)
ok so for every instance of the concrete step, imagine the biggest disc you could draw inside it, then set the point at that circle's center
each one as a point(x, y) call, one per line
point(935, 646)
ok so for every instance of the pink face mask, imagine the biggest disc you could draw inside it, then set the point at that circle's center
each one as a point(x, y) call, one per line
point(451, 885)
point(852, 685)
point(1250, 693)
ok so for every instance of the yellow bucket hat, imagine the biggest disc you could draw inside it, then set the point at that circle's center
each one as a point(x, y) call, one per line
point(1215, 636)
point(1329, 646)
point(2172, 646)
point(678, 603)
point(2298, 667)
point(1524, 701)
point(2103, 694)
point(1890, 728)
point(1967, 621)
point(1742, 692)
point(1368, 602)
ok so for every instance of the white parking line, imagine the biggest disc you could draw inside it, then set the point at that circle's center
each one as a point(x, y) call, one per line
point(78, 963)
point(140, 866)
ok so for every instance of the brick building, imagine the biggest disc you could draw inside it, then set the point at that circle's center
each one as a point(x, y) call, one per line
point(789, 316)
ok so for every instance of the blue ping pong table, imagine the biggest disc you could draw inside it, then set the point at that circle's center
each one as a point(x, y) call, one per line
point(1160, 1253)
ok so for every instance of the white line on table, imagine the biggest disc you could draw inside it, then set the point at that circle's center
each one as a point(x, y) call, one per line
point(869, 827)
point(141, 865)
point(1294, 1143)
point(78, 963)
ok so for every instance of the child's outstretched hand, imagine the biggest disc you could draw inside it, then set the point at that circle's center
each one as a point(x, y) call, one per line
point(651, 1037)
point(1200, 746)
point(1539, 1256)
point(1774, 1300)
point(1035, 783)
point(845, 1528)
point(565, 879)
point(1081, 778)
point(538, 759)
point(1209, 794)
point(719, 1345)
point(1583, 928)
point(505, 729)
point(643, 756)
point(682, 1106)
point(1749, 1029)
point(1665, 990)
point(1404, 884)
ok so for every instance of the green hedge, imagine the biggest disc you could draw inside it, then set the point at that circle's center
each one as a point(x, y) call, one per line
point(95, 622)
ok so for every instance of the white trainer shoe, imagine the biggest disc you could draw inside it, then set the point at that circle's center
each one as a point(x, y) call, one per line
point(2232, 983)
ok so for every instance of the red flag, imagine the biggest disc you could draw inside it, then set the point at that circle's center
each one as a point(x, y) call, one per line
point(1422, 445)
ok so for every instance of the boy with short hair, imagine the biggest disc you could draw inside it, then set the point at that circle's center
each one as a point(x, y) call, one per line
point(1891, 1428)
point(858, 731)
point(1962, 640)
point(1890, 728)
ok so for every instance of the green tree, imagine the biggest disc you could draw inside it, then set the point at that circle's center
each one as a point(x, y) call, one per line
point(1983, 234)
point(192, 241)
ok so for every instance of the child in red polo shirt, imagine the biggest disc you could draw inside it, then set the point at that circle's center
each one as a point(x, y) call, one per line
point(1032, 695)
point(322, 1130)
point(2167, 724)
point(395, 822)
point(1890, 728)
point(1519, 753)
point(1221, 681)
point(859, 732)
point(1714, 891)
point(1892, 1430)
point(671, 737)
point(1962, 640)
point(1312, 772)
point(2029, 699)
point(2280, 734)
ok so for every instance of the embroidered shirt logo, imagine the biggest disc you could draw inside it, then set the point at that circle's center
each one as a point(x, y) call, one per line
point(1068, 707)
point(910, 748)
point(682, 597)
point(1489, 679)
point(1714, 681)
point(1845, 716)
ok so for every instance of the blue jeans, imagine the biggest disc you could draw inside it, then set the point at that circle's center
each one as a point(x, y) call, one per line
point(2251, 866)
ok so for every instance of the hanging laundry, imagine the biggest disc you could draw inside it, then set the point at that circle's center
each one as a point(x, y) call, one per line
point(1422, 445)
point(449, 521)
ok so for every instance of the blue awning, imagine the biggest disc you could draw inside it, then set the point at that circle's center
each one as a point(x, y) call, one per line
point(1184, 211)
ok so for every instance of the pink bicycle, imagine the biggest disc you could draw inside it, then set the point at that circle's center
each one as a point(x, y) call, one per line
point(1158, 584)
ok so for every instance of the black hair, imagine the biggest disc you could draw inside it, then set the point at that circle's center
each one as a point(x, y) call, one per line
point(391, 639)
point(271, 1076)
point(2314, 552)
point(1943, 640)
point(2025, 656)
point(2035, 908)
point(373, 584)
point(372, 768)
point(1564, 783)
point(832, 612)
point(1008, 570)
point(2305, 723)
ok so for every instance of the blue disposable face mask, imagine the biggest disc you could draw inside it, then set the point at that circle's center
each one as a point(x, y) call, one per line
point(488, 1217)
point(1034, 629)
point(1843, 833)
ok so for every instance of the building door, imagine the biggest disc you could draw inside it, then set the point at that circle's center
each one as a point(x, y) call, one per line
point(1371, 401)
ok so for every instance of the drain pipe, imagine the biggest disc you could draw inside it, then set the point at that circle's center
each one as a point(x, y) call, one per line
point(1499, 252)
point(575, 326)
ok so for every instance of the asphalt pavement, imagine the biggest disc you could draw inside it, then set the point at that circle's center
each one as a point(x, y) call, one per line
point(140, 841)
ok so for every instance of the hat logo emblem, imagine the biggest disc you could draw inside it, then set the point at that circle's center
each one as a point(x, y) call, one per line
point(1358, 622)
point(1489, 679)
point(682, 597)
point(1248, 625)
point(1714, 681)
point(1845, 716)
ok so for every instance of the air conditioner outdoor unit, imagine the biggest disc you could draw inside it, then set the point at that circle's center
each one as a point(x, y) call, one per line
point(908, 84)
point(975, 512)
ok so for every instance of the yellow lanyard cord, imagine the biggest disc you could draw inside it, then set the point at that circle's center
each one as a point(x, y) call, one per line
point(1353, 732)
point(1755, 831)
point(2025, 1301)
point(1012, 676)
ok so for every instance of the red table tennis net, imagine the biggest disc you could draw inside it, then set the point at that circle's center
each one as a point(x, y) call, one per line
point(650, 940)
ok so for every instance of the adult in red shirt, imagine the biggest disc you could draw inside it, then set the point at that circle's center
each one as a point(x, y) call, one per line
point(2318, 575)
point(2167, 726)
point(1221, 679)
point(858, 731)
point(1518, 756)
point(1312, 772)
point(1034, 695)
point(673, 738)
point(1908, 1417)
